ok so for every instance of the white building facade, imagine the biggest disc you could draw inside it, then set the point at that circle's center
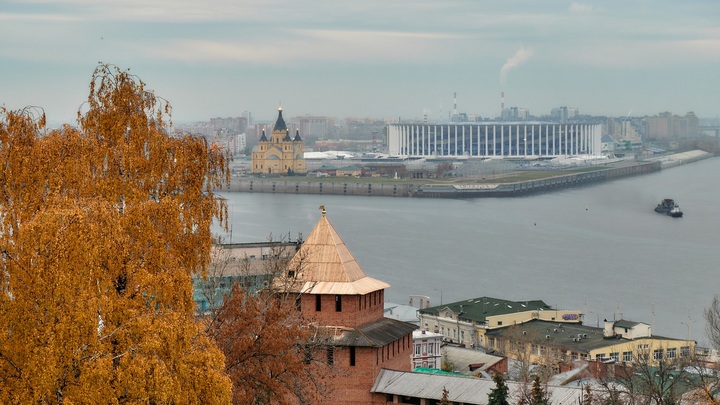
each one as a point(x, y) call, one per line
point(426, 349)
point(494, 140)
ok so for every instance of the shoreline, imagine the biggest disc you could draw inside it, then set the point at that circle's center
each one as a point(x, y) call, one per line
point(465, 188)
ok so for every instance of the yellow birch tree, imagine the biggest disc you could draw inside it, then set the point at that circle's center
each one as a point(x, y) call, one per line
point(101, 230)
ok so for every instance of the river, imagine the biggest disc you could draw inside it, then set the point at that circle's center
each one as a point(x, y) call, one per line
point(600, 248)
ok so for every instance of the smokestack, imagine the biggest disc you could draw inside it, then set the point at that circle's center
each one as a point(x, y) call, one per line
point(455, 104)
point(502, 100)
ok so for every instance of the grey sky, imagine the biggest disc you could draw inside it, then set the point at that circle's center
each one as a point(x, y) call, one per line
point(370, 58)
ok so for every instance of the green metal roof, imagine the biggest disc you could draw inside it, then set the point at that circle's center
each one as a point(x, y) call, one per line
point(478, 309)
point(427, 370)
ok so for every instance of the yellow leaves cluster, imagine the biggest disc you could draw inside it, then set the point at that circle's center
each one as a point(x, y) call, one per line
point(101, 230)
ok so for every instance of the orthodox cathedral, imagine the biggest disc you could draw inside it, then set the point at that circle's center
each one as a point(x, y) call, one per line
point(281, 154)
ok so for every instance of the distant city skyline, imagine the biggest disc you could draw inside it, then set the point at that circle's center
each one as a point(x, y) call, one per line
point(374, 58)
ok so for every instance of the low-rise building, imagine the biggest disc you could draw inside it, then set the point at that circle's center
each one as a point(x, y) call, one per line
point(472, 362)
point(618, 341)
point(252, 264)
point(466, 322)
point(426, 349)
point(348, 171)
point(393, 387)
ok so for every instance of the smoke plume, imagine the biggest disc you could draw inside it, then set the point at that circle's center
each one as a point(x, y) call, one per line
point(520, 57)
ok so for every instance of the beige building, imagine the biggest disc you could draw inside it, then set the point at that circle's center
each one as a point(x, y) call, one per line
point(533, 330)
point(620, 341)
point(281, 154)
point(668, 126)
point(466, 322)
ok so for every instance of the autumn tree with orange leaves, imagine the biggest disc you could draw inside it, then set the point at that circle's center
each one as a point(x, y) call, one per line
point(101, 229)
point(271, 351)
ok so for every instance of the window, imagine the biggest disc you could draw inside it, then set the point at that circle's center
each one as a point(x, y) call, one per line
point(318, 303)
point(672, 353)
point(338, 303)
point(499, 323)
point(431, 348)
point(685, 351)
point(352, 355)
point(330, 355)
point(658, 354)
point(615, 356)
point(417, 349)
point(627, 357)
point(600, 356)
point(534, 349)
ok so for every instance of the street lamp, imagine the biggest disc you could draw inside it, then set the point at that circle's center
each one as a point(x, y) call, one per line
point(597, 321)
point(688, 328)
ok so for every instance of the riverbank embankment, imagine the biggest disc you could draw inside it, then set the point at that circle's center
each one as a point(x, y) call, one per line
point(515, 184)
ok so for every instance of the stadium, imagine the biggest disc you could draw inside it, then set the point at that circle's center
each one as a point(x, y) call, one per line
point(494, 140)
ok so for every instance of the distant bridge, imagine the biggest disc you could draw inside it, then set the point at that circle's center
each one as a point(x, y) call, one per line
point(708, 128)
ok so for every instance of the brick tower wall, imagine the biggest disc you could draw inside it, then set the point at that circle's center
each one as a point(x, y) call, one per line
point(355, 310)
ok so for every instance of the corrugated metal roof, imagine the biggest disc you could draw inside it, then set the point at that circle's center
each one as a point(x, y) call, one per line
point(326, 266)
point(466, 390)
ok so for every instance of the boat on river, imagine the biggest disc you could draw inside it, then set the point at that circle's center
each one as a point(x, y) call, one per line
point(669, 207)
point(665, 206)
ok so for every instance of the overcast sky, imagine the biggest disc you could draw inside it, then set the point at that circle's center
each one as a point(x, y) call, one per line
point(368, 58)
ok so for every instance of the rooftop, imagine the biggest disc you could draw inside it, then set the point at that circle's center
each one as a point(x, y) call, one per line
point(373, 334)
point(479, 309)
point(324, 265)
point(466, 390)
point(571, 336)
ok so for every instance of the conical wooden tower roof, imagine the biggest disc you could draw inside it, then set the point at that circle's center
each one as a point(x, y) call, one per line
point(324, 265)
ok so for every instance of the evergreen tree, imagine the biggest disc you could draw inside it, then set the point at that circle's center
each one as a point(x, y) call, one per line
point(538, 396)
point(444, 399)
point(499, 394)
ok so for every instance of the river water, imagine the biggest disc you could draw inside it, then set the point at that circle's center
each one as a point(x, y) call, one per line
point(600, 248)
